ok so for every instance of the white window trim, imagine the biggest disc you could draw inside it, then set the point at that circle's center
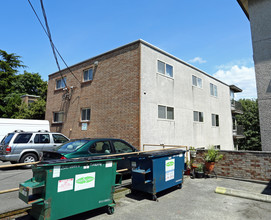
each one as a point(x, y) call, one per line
point(215, 96)
point(81, 115)
point(165, 75)
point(200, 122)
point(57, 122)
point(64, 77)
point(89, 80)
point(197, 82)
point(215, 126)
point(166, 119)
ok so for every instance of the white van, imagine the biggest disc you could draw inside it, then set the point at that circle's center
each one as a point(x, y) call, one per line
point(8, 125)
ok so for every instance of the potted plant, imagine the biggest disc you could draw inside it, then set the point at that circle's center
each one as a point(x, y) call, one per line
point(211, 157)
point(193, 152)
point(199, 173)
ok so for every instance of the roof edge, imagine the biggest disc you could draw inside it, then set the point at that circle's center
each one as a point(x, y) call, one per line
point(244, 8)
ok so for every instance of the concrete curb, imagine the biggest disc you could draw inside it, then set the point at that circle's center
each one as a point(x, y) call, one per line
point(243, 194)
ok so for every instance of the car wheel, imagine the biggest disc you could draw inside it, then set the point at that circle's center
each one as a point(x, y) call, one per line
point(28, 158)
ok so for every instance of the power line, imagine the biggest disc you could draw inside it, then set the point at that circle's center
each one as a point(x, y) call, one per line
point(52, 44)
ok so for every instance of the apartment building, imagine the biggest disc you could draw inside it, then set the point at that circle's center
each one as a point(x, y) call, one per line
point(144, 95)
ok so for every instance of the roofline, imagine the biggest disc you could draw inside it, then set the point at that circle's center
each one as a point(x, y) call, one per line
point(151, 46)
point(235, 88)
point(243, 8)
point(32, 96)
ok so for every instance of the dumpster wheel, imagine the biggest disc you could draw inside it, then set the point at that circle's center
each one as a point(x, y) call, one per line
point(154, 198)
point(110, 210)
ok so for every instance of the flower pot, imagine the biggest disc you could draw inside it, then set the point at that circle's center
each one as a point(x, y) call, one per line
point(210, 166)
point(187, 172)
point(199, 174)
point(193, 153)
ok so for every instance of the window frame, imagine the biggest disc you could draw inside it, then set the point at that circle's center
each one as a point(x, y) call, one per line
point(199, 116)
point(62, 79)
point(215, 120)
point(166, 112)
point(197, 80)
point(88, 80)
point(85, 120)
point(58, 122)
point(165, 72)
point(213, 90)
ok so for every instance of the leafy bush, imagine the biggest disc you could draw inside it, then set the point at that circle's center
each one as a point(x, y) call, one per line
point(213, 155)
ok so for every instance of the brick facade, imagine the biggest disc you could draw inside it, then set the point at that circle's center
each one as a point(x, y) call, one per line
point(113, 97)
point(251, 165)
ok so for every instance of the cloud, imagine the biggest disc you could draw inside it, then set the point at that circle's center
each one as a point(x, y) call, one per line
point(241, 76)
point(197, 60)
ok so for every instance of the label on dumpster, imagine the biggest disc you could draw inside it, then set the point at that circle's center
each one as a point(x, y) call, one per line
point(108, 164)
point(169, 169)
point(65, 185)
point(56, 171)
point(84, 181)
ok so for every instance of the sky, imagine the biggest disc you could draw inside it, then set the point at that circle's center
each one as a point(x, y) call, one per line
point(212, 35)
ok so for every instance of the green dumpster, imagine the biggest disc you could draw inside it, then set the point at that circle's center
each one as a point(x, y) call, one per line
point(62, 188)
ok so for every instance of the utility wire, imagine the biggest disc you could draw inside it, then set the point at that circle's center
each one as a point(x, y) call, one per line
point(52, 42)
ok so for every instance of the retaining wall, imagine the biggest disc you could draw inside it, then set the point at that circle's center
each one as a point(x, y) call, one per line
point(251, 165)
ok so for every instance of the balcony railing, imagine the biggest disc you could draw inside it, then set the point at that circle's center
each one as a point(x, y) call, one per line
point(236, 107)
point(238, 131)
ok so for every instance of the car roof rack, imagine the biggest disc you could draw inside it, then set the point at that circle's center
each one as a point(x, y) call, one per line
point(18, 131)
point(43, 131)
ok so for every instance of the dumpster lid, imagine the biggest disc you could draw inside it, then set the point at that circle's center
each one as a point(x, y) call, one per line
point(78, 160)
point(161, 153)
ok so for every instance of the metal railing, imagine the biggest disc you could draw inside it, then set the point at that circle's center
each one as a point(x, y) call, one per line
point(236, 106)
point(238, 130)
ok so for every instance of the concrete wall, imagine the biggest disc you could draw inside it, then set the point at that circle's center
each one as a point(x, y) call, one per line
point(251, 165)
point(260, 21)
point(178, 92)
point(112, 96)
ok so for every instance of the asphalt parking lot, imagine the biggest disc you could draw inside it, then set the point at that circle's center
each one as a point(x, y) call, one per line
point(196, 200)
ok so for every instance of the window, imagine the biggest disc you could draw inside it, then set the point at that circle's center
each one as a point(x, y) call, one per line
point(101, 147)
point(71, 146)
point(165, 112)
point(85, 114)
point(61, 83)
point(88, 75)
point(42, 139)
point(215, 120)
point(198, 116)
point(58, 138)
point(58, 117)
point(217, 147)
point(213, 90)
point(196, 81)
point(22, 138)
point(121, 147)
point(164, 68)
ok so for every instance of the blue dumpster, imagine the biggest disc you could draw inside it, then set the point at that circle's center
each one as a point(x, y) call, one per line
point(158, 170)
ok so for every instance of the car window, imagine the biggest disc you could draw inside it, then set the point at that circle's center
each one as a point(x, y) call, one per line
point(22, 138)
point(7, 138)
point(58, 138)
point(42, 139)
point(71, 146)
point(100, 147)
point(122, 147)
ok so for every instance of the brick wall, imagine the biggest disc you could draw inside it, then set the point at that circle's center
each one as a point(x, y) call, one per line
point(113, 97)
point(253, 165)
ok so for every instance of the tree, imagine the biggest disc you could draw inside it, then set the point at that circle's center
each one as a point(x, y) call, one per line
point(250, 121)
point(13, 86)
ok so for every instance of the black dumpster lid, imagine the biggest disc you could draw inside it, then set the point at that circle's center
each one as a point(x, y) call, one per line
point(161, 153)
point(81, 159)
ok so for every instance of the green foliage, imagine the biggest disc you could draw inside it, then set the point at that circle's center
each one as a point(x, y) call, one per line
point(13, 86)
point(250, 121)
point(199, 168)
point(213, 155)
